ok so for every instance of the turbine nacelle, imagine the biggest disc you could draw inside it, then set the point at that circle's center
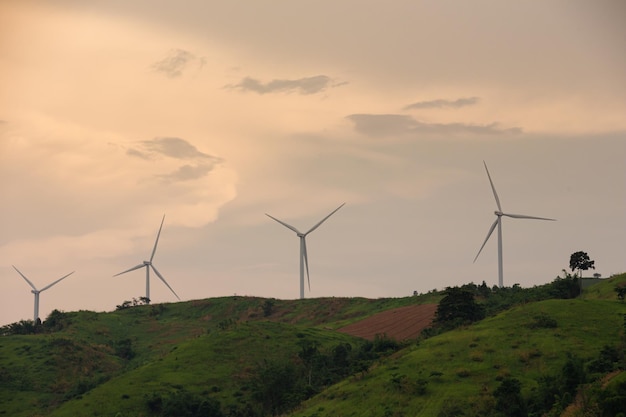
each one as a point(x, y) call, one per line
point(498, 213)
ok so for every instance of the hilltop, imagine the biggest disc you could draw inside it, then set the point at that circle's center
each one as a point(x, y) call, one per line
point(249, 356)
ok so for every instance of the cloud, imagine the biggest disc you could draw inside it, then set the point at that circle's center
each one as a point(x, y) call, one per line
point(177, 148)
point(441, 103)
point(137, 153)
point(176, 62)
point(168, 146)
point(377, 125)
point(308, 85)
point(189, 172)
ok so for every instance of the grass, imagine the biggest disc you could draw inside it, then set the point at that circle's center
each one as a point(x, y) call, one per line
point(219, 362)
point(210, 344)
point(213, 346)
point(470, 362)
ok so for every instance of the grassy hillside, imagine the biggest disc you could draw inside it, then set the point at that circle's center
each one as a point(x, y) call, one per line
point(459, 370)
point(107, 363)
point(240, 352)
point(217, 364)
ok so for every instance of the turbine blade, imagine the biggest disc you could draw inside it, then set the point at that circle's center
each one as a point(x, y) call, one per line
point(131, 269)
point(27, 280)
point(523, 216)
point(491, 229)
point(164, 281)
point(288, 226)
point(157, 239)
point(324, 219)
point(495, 194)
point(306, 261)
point(60, 279)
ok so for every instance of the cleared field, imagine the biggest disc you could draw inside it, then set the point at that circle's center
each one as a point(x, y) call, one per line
point(399, 323)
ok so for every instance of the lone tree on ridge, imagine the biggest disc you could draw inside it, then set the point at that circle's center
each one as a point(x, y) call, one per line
point(580, 261)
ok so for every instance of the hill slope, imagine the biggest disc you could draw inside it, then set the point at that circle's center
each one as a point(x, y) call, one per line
point(459, 370)
point(245, 356)
point(106, 363)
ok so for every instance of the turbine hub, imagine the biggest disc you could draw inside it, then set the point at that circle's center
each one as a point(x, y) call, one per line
point(147, 262)
point(498, 213)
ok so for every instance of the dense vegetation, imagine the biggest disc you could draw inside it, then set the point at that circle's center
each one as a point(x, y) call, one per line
point(490, 352)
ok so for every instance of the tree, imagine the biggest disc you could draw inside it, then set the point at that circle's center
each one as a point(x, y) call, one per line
point(509, 401)
point(458, 307)
point(580, 261)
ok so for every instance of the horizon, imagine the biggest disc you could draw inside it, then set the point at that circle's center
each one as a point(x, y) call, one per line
point(419, 294)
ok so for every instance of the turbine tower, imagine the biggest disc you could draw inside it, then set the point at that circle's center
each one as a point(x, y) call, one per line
point(148, 265)
point(37, 292)
point(304, 262)
point(498, 223)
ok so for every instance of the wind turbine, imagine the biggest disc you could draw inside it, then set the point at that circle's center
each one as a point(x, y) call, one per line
point(37, 292)
point(498, 222)
point(304, 262)
point(148, 265)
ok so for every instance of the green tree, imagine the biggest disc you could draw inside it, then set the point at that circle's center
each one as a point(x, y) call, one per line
point(268, 307)
point(509, 401)
point(278, 388)
point(566, 287)
point(580, 261)
point(458, 307)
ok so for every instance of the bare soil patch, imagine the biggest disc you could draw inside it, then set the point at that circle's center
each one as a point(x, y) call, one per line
point(399, 323)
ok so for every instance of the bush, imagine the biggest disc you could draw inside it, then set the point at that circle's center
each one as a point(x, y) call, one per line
point(542, 321)
point(124, 349)
point(183, 403)
point(268, 307)
point(509, 401)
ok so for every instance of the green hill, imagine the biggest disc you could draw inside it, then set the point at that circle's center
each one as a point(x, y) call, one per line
point(246, 356)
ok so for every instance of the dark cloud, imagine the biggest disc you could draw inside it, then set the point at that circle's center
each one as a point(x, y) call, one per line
point(175, 63)
point(437, 104)
point(308, 85)
point(189, 172)
point(377, 125)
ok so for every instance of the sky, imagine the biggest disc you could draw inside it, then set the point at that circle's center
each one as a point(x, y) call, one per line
point(114, 113)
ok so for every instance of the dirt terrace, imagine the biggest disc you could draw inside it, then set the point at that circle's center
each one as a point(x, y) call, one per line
point(400, 323)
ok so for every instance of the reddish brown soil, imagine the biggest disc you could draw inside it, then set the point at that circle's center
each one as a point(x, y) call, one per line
point(400, 323)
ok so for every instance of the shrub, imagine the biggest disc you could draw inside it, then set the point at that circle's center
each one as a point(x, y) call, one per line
point(509, 399)
point(124, 349)
point(542, 321)
point(183, 403)
point(268, 307)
